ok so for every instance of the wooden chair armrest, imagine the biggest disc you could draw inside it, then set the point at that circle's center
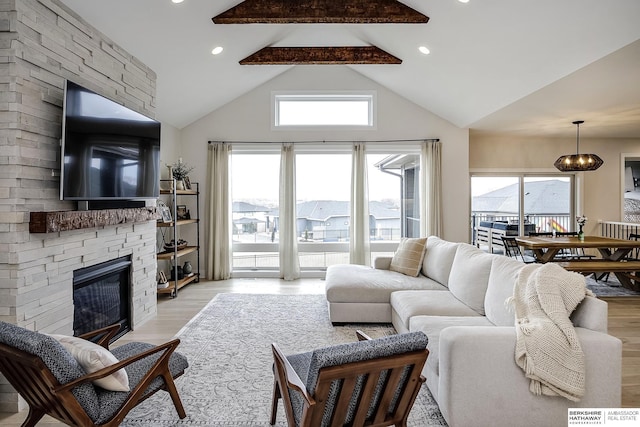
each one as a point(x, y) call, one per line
point(362, 336)
point(168, 348)
point(107, 333)
point(291, 376)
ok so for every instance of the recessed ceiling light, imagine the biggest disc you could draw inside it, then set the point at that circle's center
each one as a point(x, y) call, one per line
point(463, 1)
point(177, 1)
point(424, 50)
point(217, 50)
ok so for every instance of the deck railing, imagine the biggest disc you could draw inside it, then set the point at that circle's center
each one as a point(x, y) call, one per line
point(618, 230)
point(542, 222)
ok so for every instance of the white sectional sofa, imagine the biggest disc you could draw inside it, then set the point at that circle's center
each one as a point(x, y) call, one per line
point(458, 300)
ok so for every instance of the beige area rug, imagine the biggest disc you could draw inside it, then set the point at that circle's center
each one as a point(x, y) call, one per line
point(228, 344)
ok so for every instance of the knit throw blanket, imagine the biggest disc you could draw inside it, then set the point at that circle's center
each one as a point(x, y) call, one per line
point(547, 346)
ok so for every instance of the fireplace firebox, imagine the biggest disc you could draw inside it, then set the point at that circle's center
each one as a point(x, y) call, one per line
point(101, 296)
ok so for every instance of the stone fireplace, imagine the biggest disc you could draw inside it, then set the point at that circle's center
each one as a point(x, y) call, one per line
point(44, 43)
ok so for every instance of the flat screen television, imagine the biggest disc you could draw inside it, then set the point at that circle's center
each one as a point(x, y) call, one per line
point(109, 152)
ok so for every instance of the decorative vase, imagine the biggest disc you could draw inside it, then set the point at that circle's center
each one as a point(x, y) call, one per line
point(180, 273)
point(170, 176)
point(187, 268)
point(581, 234)
point(179, 184)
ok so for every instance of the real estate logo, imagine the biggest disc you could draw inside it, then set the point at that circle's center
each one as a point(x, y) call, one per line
point(603, 416)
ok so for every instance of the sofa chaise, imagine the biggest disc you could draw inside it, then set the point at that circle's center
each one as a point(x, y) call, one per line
point(458, 300)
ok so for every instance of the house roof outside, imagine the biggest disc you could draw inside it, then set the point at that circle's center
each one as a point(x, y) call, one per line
point(548, 197)
point(245, 220)
point(244, 207)
point(322, 210)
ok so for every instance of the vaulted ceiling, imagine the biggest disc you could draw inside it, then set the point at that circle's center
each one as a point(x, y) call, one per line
point(530, 67)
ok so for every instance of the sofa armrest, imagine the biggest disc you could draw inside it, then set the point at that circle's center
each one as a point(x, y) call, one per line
point(477, 370)
point(591, 313)
point(382, 262)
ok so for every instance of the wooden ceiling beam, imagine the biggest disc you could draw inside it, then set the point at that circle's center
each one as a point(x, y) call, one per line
point(321, 12)
point(320, 56)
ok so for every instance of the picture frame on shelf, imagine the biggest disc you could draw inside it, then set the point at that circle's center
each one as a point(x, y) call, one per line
point(181, 211)
point(187, 183)
point(165, 212)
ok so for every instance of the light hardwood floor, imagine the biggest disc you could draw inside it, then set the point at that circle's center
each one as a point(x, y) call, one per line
point(173, 314)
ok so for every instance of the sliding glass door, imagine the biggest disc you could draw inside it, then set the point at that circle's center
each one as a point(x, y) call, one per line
point(518, 204)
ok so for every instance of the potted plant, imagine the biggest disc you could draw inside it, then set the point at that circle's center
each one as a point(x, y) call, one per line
point(180, 171)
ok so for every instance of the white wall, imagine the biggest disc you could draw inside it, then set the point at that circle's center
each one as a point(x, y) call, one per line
point(169, 148)
point(248, 118)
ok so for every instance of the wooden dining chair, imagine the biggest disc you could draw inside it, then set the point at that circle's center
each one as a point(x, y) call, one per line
point(365, 383)
point(53, 383)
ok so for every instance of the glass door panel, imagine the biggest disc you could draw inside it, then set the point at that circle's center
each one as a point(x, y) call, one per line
point(547, 204)
point(255, 192)
point(495, 205)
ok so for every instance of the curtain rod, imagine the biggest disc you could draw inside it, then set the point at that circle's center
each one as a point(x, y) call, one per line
point(324, 141)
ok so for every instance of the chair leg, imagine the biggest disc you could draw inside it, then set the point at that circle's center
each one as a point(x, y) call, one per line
point(274, 402)
point(175, 397)
point(33, 417)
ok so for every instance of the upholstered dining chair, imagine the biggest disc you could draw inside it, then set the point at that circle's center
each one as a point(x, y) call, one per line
point(372, 382)
point(53, 379)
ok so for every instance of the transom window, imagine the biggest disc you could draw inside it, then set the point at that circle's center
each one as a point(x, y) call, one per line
point(323, 110)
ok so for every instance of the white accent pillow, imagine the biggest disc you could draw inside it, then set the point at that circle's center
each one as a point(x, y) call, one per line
point(469, 276)
point(92, 358)
point(438, 259)
point(408, 257)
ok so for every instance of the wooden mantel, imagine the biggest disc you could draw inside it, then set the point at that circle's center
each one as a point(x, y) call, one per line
point(52, 222)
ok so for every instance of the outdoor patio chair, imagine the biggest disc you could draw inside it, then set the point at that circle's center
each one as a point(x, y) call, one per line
point(53, 382)
point(371, 382)
point(511, 249)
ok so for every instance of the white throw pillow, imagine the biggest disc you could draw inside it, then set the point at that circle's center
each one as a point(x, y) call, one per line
point(502, 279)
point(408, 257)
point(469, 276)
point(92, 358)
point(438, 259)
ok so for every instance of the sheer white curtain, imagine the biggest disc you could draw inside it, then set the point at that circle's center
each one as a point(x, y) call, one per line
point(359, 247)
point(289, 262)
point(218, 239)
point(431, 189)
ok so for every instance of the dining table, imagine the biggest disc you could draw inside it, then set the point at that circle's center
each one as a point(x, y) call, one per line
point(613, 252)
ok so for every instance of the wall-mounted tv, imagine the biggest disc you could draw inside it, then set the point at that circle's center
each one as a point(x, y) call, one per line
point(109, 152)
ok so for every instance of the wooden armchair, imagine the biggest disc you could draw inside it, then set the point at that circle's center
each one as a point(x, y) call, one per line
point(365, 383)
point(52, 382)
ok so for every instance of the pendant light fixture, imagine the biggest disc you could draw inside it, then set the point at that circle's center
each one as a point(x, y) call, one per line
point(578, 162)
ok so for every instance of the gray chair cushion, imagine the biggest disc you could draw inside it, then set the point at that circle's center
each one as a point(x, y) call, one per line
point(110, 401)
point(59, 361)
point(99, 404)
point(308, 365)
